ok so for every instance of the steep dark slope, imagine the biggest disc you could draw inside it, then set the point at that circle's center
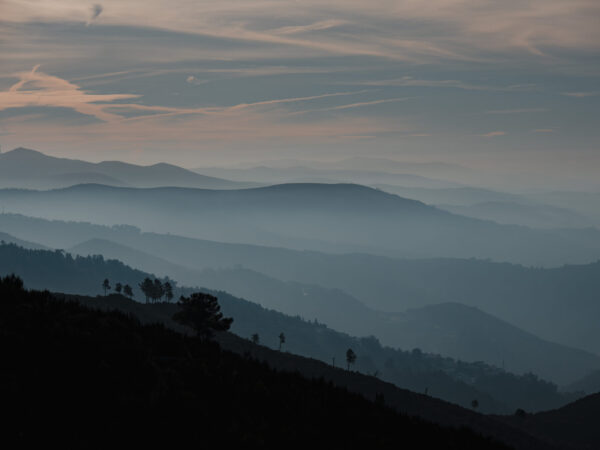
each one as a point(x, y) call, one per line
point(574, 426)
point(147, 385)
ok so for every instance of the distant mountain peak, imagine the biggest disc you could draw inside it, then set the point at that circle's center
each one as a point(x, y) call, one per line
point(21, 151)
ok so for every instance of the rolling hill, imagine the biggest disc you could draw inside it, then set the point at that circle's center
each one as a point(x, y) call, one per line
point(336, 218)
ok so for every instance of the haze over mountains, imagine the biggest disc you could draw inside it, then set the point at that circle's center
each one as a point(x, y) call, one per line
point(337, 218)
point(503, 313)
point(454, 380)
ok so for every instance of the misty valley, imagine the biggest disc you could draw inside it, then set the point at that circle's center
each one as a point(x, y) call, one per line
point(453, 321)
point(278, 224)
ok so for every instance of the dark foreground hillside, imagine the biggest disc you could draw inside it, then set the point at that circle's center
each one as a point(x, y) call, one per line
point(574, 426)
point(84, 378)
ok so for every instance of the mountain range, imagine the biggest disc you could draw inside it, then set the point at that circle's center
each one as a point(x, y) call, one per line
point(335, 218)
point(30, 169)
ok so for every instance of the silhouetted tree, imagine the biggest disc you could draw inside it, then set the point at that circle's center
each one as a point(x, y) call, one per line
point(475, 404)
point(158, 290)
point(168, 291)
point(128, 291)
point(11, 286)
point(202, 313)
point(255, 338)
point(350, 357)
point(281, 340)
point(147, 287)
point(520, 412)
point(118, 288)
point(105, 285)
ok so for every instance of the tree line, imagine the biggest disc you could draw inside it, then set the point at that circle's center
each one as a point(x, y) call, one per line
point(154, 290)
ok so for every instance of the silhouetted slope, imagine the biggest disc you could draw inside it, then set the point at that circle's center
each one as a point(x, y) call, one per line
point(121, 383)
point(25, 168)
point(306, 216)
point(574, 426)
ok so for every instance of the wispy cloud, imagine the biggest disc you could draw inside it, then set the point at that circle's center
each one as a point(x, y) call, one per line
point(191, 79)
point(316, 26)
point(351, 105)
point(296, 99)
point(493, 134)
point(36, 88)
point(581, 94)
point(408, 81)
point(516, 111)
point(471, 29)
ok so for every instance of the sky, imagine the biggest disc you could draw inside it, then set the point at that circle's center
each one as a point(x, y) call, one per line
point(494, 85)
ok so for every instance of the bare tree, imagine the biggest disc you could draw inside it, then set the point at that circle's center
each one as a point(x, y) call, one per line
point(281, 340)
point(350, 357)
point(105, 285)
point(128, 291)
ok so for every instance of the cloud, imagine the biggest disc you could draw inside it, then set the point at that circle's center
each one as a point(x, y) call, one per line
point(516, 111)
point(296, 99)
point(399, 30)
point(36, 88)
point(407, 81)
point(352, 105)
point(543, 130)
point(581, 94)
point(194, 81)
point(316, 26)
point(493, 134)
